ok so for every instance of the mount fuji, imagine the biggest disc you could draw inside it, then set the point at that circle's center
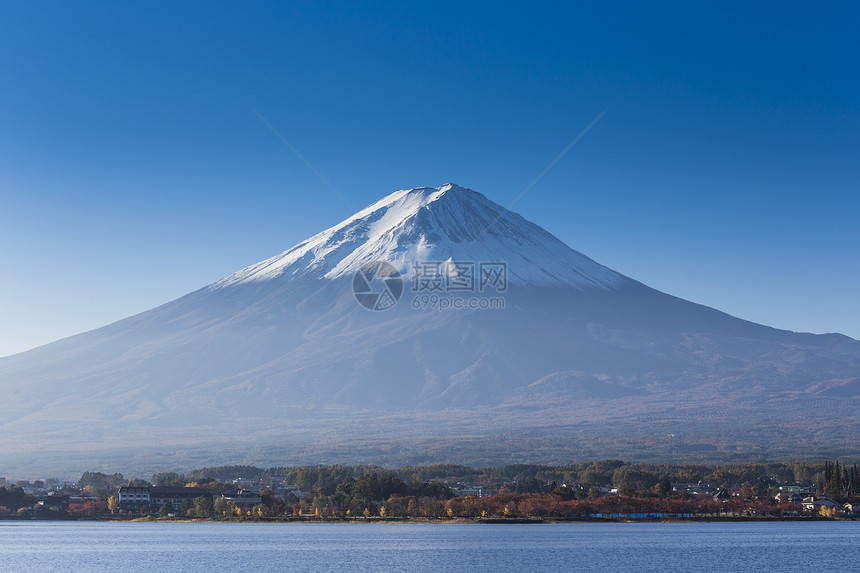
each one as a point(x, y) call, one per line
point(433, 325)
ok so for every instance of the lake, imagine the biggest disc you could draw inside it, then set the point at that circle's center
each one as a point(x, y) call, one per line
point(162, 547)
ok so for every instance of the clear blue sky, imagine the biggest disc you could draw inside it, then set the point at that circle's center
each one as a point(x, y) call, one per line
point(133, 168)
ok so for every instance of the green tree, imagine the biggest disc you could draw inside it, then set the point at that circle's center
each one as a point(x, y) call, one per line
point(529, 485)
point(664, 488)
point(220, 506)
point(165, 509)
point(100, 481)
point(162, 479)
point(202, 506)
point(14, 496)
point(267, 497)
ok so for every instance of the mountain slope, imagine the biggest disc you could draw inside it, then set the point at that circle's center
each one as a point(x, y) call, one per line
point(427, 224)
point(282, 352)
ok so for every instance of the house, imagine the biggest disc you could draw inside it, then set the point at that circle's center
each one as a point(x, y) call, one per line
point(698, 488)
point(54, 501)
point(131, 498)
point(790, 489)
point(851, 508)
point(475, 491)
point(788, 497)
point(150, 498)
point(814, 504)
point(176, 495)
point(242, 498)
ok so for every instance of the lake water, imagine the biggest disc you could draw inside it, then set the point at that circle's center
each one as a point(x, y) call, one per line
point(199, 547)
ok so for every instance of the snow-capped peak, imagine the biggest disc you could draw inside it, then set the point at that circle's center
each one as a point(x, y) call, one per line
point(441, 224)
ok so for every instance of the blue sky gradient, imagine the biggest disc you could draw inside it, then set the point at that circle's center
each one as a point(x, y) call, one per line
point(134, 169)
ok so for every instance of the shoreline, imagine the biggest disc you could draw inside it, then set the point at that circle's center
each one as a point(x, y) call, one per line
point(430, 521)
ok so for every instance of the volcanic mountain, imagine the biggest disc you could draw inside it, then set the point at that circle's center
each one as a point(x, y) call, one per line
point(433, 325)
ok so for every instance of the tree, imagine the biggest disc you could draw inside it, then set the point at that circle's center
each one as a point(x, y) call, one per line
point(165, 509)
point(112, 504)
point(92, 508)
point(320, 506)
point(13, 497)
point(168, 479)
point(220, 506)
point(664, 488)
point(100, 481)
point(529, 485)
point(227, 473)
point(260, 510)
point(202, 506)
point(267, 497)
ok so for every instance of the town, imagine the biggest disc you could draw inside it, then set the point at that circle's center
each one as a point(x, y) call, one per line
point(606, 489)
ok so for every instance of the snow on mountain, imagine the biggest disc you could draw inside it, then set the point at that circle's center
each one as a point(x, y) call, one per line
point(447, 223)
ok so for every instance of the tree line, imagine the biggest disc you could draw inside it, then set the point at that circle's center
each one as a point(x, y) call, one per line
point(617, 473)
point(841, 482)
point(342, 491)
